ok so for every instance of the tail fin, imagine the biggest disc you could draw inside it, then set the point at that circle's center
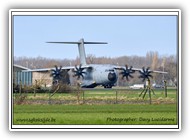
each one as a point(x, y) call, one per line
point(81, 49)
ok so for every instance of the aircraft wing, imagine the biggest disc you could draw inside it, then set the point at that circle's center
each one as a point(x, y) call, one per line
point(137, 69)
point(49, 69)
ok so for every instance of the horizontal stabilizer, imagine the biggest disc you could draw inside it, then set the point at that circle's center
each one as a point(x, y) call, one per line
point(65, 42)
point(95, 43)
point(79, 42)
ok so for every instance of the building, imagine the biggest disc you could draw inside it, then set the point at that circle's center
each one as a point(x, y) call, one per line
point(42, 78)
point(29, 78)
point(19, 77)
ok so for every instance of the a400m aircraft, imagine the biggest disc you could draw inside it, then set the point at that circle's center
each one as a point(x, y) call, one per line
point(93, 75)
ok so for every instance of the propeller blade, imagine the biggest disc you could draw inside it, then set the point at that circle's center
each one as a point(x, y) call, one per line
point(56, 73)
point(126, 72)
point(127, 78)
point(60, 68)
point(56, 67)
point(145, 73)
point(78, 72)
point(131, 76)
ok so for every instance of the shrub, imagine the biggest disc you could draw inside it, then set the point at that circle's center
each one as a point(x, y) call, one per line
point(61, 88)
point(20, 99)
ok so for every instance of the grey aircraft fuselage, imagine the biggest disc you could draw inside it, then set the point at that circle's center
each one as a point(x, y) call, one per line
point(98, 74)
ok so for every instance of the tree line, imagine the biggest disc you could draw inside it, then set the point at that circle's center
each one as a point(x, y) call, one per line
point(152, 60)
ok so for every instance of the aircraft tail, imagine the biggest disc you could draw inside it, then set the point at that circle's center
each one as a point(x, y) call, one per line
point(81, 49)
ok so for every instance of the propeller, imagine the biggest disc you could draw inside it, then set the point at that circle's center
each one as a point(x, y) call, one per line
point(127, 71)
point(79, 71)
point(145, 73)
point(56, 73)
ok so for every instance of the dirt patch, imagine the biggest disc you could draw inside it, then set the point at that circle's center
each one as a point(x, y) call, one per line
point(91, 102)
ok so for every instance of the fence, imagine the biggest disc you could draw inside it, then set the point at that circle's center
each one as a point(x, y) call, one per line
point(93, 96)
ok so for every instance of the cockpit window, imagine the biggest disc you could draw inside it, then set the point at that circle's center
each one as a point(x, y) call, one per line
point(109, 70)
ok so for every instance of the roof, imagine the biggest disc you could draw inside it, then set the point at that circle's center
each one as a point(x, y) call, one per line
point(19, 68)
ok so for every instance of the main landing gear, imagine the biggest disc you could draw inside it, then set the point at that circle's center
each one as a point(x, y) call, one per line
point(107, 86)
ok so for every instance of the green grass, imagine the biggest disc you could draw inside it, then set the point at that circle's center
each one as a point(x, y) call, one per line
point(95, 114)
point(134, 111)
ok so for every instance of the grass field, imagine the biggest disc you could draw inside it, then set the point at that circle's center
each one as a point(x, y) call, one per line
point(95, 114)
point(99, 96)
point(163, 112)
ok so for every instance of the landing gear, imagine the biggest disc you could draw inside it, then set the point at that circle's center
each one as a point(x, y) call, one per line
point(107, 86)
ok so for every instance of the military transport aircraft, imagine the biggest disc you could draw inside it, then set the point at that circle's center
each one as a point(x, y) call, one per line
point(93, 75)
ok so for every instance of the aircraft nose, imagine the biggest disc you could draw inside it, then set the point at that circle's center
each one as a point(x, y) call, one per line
point(112, 76)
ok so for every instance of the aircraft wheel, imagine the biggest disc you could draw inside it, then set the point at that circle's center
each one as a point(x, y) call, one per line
point(107, 86)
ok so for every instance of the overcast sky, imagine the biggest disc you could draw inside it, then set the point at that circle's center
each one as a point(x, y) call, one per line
point(125, 35)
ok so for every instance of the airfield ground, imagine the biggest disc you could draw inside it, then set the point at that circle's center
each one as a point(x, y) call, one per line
point(97, 107)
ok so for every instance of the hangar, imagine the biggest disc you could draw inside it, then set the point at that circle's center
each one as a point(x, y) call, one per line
point(29, 78)
point(20, 77)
